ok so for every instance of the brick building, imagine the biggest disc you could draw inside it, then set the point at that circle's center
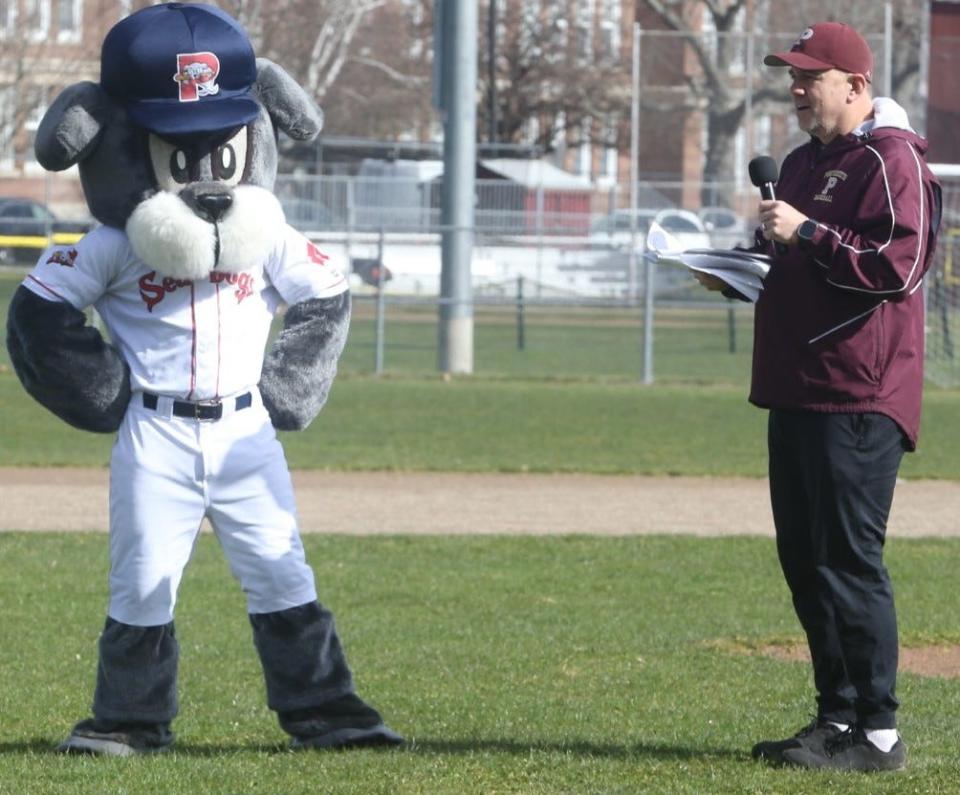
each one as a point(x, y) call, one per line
point(943, 111)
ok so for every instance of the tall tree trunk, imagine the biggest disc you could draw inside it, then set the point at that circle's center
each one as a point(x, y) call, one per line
point(723, 124)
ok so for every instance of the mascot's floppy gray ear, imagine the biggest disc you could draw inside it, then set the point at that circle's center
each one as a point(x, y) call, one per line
point(291, 108)
point(71, 128)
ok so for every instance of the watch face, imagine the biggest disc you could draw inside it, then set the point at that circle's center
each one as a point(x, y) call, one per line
point(807, 229)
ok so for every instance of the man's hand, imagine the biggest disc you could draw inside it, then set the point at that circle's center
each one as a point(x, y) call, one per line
point(710, 281)
point(780, 221)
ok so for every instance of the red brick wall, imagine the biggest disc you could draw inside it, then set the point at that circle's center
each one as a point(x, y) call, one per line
point(943, 114)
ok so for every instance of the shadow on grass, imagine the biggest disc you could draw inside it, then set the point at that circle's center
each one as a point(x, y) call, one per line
point(27, 747)
point(43, 746)
point(580, 748)
point(662, 752)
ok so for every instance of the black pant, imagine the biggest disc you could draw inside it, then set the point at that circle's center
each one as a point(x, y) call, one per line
point(831, 487)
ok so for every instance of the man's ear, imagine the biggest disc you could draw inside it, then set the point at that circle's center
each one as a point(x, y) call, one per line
point(858, 86)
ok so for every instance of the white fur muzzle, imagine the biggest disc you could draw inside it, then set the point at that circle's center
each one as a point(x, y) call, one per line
point(170, 238)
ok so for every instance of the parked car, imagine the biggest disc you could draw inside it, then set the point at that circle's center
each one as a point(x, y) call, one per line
point(27, 227)
point(726, 228)
point(685, 226)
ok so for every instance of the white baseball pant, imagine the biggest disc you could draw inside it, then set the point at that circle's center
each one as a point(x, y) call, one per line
point(166, 474)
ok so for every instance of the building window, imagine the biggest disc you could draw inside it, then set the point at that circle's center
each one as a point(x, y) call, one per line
point(69, 16)
point(585, 150)
point(8, 18)
point(611, 20)
point(762, 133)
point(531, 23)
point(36, 18)
point(38, 101)
point(586, 10)
point(8, 98)
point(609, 154)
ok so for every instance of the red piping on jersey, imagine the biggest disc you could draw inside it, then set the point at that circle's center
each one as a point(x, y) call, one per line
point(193, 345)
point(45, 287)
point(219, 337)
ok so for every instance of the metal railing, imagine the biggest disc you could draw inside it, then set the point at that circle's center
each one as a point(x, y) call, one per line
point(524, 278)
point(348, 204)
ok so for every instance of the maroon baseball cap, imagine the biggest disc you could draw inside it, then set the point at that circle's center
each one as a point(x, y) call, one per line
point(827, 45)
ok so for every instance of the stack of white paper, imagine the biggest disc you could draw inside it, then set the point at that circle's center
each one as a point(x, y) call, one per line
point(744, 271)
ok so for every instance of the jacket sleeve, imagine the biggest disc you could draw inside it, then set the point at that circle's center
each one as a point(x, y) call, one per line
point(890, 249)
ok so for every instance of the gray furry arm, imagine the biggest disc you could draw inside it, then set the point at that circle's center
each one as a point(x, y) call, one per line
point(65, 364)
point(299, 369)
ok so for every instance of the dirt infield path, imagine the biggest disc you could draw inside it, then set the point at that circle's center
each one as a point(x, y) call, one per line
point(424, 502)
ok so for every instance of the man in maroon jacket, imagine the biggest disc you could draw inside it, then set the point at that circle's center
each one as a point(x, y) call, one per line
point(838, 360)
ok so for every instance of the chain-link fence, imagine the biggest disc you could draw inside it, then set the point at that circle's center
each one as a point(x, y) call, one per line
point(943, 293)
point(548, 304)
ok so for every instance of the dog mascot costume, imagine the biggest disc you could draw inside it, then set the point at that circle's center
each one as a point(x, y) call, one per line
point(177, 153)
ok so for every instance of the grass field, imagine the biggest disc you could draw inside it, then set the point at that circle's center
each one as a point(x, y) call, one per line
point(506, 426)
point(570, 401)
point(512, 665)
point(691, 345)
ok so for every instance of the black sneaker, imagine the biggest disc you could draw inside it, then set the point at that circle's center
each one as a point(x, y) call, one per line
point(850, 751)
point(116, 739)
point(811, 736)
point(346, 722)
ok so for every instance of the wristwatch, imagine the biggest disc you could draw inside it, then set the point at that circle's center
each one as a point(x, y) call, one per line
point(807, 230)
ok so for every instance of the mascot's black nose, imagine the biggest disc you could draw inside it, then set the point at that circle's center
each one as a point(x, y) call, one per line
point(212, 206)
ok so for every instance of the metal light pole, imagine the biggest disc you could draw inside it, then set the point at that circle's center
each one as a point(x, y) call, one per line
point(492, 71)
point(458, 94)
point(649, 265)
point(888, 50)
point(634, 163)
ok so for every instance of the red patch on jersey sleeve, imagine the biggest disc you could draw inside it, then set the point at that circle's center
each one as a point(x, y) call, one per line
point(316, 255)
point(63, 258)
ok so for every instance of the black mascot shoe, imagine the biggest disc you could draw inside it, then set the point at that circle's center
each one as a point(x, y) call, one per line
point(811, 737)
point(346, 722)
point(849, 751)
point(102, 738)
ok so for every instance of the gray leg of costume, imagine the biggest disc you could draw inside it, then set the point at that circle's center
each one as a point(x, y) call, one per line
point(136, 694)
point(303, 662)
point(309, 684)
point(137, 674)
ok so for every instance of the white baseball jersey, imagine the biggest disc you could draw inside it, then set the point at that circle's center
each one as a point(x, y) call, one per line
point(191, 339)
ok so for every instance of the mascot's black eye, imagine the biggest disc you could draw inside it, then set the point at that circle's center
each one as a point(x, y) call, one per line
point(229, 160)
point(224, 162)
point(172, 166)
point(179, 166)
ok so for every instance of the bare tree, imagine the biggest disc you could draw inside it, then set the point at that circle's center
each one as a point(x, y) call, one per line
point(713, 88)
point(311, 38)
point(555, 83)
point(367, 62)
point(716, 89)
point(384, 88)
point(868, 16)
point(32, 72)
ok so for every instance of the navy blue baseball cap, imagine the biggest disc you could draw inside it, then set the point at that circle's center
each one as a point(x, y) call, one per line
point(180, 69)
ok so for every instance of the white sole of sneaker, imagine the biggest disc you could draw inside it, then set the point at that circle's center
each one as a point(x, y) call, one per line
point(94, 746)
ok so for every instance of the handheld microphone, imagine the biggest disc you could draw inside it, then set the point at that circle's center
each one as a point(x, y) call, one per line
point(763, 174)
